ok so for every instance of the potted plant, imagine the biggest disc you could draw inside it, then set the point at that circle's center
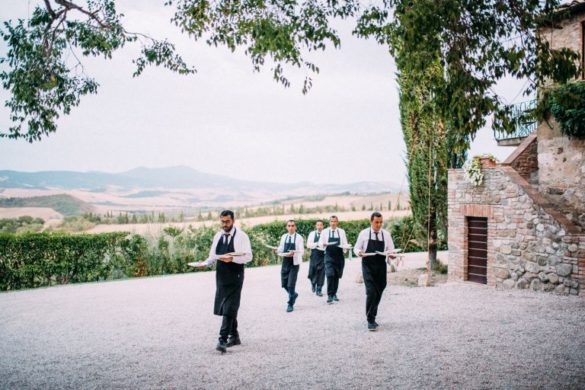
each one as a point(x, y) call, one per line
point(488, 161)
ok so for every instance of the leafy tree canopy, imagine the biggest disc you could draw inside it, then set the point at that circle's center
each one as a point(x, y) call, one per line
point(478, 42)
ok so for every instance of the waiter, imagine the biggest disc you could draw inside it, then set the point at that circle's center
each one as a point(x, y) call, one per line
point(229, 277)
point(330, 239)
point(371, 240)
point(317, 262)
point(292, 244)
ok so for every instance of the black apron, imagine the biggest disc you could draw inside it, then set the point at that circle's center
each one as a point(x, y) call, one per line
point(289, 271)
point(334, 259)
point(229, 279)
point(374, 271)
point(317, 261)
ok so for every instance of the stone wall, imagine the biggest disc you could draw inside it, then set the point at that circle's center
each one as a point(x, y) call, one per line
point(561, 164)
point(561, 160)
point(566, 33)
point(527, 246)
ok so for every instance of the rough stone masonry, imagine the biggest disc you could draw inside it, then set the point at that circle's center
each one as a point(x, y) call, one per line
point(527, 246)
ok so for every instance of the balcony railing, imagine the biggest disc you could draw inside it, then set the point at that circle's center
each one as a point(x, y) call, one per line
point(525, 125)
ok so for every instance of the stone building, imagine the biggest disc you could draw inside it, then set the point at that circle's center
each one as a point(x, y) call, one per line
point(524, 227)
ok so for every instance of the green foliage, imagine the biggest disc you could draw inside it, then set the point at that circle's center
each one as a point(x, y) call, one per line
point(404, 236)
point(42, 259)
point(567, 105)
point(476, 43)
point(427, 156)
point(278, 32)
point(25, 224)
point(40, 77)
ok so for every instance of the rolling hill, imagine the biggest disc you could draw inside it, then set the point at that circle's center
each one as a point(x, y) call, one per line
point(179, 177)
point(64, 204)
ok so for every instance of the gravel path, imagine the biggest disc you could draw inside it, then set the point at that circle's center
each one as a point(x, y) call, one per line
point(160, 333)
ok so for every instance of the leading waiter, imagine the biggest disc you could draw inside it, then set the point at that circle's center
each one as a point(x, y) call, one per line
point(370, 241)
point(229, 276)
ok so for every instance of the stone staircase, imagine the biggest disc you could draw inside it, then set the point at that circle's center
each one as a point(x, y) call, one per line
point(522, 164)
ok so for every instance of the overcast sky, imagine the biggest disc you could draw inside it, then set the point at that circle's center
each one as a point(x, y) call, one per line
point(228, 120)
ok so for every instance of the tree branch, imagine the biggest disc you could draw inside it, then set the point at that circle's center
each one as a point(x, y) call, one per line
point(50, 9)
point(69, 6)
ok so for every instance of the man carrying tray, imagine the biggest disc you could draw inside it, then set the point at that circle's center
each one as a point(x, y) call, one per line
point(230, 249)
point(291, 248)
point(374, 245)
point(334, 240)
point(317, 261)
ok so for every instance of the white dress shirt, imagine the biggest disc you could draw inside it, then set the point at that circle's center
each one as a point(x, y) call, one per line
point(339, 232)
point(365, 235)
point(310, 240)
point(241, 244)
point(299, 246)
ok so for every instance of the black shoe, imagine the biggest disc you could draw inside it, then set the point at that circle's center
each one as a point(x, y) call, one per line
point(289, 308)
point(292, 299)
point(335, 298)
point(377, 325)
point(221, 346)
point(330, 299)
point(233, 340)
point(319, 293)
point(313, 286)
point(372, 326)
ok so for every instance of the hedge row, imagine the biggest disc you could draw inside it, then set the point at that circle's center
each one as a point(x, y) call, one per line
point(42, 259)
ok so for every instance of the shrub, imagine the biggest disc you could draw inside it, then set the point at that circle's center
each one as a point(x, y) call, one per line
point(43, 259)
point(567, 104)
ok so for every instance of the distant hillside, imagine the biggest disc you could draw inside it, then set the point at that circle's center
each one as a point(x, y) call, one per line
point(179, 177)
point(64, 204)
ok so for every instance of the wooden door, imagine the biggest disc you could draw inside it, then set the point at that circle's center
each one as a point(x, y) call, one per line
point(477, 249)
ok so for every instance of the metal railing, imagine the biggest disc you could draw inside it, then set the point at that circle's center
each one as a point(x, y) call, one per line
point(525, 124)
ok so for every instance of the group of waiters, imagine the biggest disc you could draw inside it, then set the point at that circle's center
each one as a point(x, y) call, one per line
point(327, 260)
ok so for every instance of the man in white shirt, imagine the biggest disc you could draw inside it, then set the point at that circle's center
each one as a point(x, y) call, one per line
point(317, 262)
point(292, 246)
point(229, 276)
point(332, 239)
point(370, 241)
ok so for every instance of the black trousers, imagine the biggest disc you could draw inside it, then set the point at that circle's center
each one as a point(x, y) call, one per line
point(374, 271)
point(229, 327)
point(318, 278)
point(332, 284)
point(373, 298)
point(288, 275)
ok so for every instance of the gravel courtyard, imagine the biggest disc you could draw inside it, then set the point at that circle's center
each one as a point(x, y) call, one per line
point(160, 333)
